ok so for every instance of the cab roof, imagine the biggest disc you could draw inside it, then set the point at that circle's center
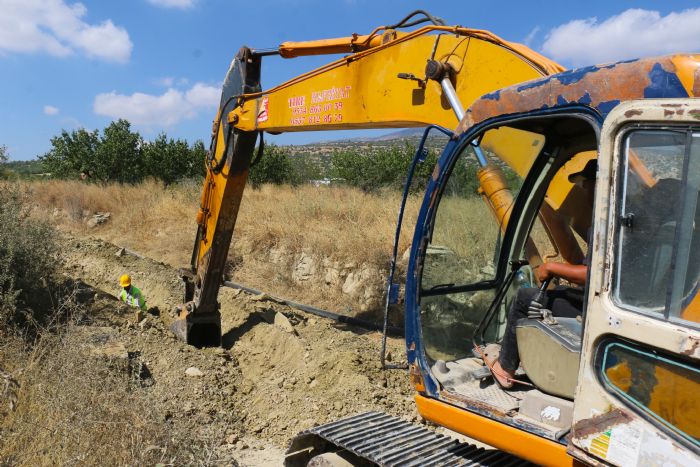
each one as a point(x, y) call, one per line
point(601, 87)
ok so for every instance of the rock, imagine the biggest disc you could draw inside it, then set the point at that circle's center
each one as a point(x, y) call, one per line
point(332, 277)
point(352, 284)
point(97, 219)
point(259, 298)
point(194, 372)
point(232, 438)
point(304, 269)
point(120, 252)
point(266, 313)
point(283, 323)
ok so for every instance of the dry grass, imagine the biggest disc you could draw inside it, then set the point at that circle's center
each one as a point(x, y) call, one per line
point(73, 408)
point(148, 218)
point(342, 224)
point(467, 227)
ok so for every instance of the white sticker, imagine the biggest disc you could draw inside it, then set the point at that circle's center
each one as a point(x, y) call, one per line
point(263, 114)
point(550, 413)
point(625, 441)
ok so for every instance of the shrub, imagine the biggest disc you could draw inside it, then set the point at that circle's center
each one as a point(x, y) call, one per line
point(27, 260)
point(167, 160)
point(377, 167)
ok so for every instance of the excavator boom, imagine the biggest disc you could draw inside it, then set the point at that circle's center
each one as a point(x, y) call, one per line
point(389, 79)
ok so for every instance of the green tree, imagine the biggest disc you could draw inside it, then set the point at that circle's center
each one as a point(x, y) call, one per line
point(118, 156)
point(304, 169)
point(72, 153)
point(198, 157)
point(167, 159)
point(273, 167)
point(121, 155)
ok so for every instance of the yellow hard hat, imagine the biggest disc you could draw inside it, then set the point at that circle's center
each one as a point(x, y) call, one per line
point(125, 280)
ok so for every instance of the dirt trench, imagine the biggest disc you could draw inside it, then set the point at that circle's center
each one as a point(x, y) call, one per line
point(268, 382)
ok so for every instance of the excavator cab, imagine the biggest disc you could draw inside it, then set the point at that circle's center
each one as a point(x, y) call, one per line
point(587, 379)
point(478, 256)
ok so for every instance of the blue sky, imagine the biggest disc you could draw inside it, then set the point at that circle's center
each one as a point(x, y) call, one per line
point(159, 63)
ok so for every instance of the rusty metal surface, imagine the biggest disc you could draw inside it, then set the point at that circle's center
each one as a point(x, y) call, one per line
point(601, 87)
point(384, 440)
point(600, 423)
point(494, 412)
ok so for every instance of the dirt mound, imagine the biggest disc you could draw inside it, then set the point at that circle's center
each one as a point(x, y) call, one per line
point(280, 371)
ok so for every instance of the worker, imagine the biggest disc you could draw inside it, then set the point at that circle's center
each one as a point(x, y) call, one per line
point(564, 302)
point(130, 294)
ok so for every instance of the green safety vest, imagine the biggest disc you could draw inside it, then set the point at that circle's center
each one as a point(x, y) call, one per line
point(133, 298)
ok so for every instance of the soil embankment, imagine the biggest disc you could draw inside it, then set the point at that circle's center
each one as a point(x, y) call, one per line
point(279, 371)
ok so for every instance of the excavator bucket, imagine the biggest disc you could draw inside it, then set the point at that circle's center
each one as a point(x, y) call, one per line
point(198, 330)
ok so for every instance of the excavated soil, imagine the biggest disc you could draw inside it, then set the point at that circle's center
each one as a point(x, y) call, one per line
point(280, 371)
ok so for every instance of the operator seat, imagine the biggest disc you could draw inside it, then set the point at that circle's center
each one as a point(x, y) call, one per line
point(550, 353)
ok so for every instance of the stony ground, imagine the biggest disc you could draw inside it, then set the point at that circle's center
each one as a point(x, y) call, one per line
point(279, 372)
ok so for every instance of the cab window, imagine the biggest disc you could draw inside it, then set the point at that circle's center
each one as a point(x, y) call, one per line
point(459, 266)
point(658, 267)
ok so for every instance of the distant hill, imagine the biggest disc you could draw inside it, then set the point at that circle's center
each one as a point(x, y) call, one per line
point(406, 133)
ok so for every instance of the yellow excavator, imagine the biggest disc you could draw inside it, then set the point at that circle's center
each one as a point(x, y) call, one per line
point(616, 384)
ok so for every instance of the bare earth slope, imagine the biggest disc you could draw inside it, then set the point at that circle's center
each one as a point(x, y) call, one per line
point(269, 382)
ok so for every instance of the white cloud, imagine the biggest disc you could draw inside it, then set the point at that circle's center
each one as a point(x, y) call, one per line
point(631, 34)
point(182, 4)
point(166, 81)
point(156, 111)
point(57, 28)
point(531, 36)
point(169, 82)
point(50, 110)
point(201, 95)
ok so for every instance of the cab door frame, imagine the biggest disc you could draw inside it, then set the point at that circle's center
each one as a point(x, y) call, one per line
point(605, 427)
point(419, 369)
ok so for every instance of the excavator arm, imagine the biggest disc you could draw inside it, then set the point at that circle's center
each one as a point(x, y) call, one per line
point(388, 79)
